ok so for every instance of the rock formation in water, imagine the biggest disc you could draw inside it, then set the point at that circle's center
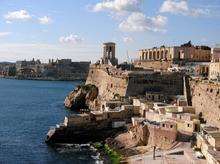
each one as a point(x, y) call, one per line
point(82, 97)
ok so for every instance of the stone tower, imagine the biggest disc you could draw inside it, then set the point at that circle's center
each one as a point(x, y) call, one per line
point(109, 54)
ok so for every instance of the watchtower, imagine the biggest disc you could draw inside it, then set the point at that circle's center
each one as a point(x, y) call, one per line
point(109, 54)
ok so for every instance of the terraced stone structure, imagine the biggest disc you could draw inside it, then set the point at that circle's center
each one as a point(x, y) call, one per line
point(112, 81)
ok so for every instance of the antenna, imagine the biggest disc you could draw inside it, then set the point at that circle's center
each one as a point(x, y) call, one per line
point(127, 56)
point(128, 60)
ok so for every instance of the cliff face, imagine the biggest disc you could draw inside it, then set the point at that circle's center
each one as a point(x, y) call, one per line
point(82, 97)
point(206, 99)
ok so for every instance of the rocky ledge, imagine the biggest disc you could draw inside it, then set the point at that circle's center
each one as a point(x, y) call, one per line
point(82, 97)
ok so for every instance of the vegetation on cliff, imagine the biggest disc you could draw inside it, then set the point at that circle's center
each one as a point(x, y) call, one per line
point(82, 97)
point(113, 156)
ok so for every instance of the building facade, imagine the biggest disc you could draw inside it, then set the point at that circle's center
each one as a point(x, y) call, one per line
point(28, 69)
point(214, 71)
point(216, 53)
point(186, 52)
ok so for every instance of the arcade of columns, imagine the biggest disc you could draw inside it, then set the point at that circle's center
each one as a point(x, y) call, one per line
point(154, 54)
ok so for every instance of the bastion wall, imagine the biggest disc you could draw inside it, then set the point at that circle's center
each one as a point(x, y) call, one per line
point(160, 65)
point(108, 85)
point(112, 81)
point(206, 99)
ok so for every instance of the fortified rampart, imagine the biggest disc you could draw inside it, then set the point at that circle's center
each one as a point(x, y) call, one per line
point(108, 82)
point(158, 82)
point(156, 65)
point(205, 99)
point(112, 81)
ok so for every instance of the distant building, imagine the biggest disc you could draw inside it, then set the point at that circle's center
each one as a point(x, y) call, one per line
point(216, 53)
point(26, 69)
point(186, 52)
point(214, 71)
point(7, 69)
point(109, 54)
point(65, 69)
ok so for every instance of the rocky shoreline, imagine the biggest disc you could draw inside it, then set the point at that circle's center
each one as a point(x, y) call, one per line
point(82, 97)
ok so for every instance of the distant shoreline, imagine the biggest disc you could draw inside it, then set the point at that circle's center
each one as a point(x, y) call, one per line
point(41, 79)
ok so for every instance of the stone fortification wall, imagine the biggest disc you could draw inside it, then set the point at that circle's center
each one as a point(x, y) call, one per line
point(206, 99)
point(161, 137)
point(109, 82)
point(158, 65)
point(165, 83)
point(147, 135)
point(112, 81)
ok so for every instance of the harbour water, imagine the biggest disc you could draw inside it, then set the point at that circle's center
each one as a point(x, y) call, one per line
point(27, 110)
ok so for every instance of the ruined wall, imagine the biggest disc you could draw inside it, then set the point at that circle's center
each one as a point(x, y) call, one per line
point(206, 99)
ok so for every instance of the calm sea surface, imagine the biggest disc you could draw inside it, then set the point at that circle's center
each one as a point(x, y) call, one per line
point(27, 110)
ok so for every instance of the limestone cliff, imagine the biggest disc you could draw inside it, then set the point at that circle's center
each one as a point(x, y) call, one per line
point(82, 97)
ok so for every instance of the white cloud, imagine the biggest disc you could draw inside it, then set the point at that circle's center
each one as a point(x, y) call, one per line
point(181, 7)
point(127, 39)
point(174, 6)
point(199, 12)
point(17, 15)
point(139, 22)
point(118, 5)
point(72, 38)
point(3, 34)
point(8, 22)
point(45, 20)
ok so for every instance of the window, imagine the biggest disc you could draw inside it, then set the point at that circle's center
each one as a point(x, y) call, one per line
point(171, 126)
point(188, 125)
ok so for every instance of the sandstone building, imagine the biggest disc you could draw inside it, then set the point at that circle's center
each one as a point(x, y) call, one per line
point(28, 69)
point(186, 52)
point(214, 71)
point(216, 53)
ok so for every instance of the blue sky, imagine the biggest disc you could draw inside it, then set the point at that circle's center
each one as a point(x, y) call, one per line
point(76, 28)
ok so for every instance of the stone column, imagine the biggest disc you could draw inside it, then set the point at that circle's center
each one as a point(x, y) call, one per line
point(147, 55)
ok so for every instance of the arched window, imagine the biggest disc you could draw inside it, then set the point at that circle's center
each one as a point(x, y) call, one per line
point(162, 55)
point(150, 55)
point(158, 54)
point(146, 55)
point(143, 56)
point(166, 54)
point(154, 55)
